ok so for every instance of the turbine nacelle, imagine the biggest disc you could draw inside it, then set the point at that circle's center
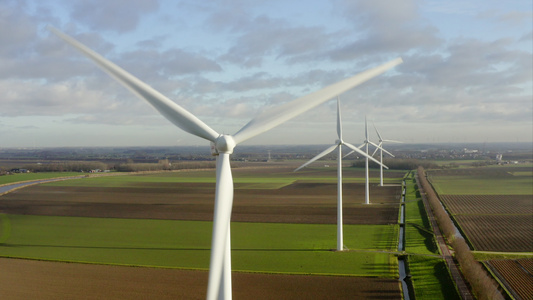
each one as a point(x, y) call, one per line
point(224, 144)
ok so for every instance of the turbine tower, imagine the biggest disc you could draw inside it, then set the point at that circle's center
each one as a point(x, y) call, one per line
point(222, 145)
point(338, 145)
point(367, 177)
point(381, 150)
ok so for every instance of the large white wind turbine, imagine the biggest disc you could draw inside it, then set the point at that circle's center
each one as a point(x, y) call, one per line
point(338, 145)
point(219, 285)
point(381, 150)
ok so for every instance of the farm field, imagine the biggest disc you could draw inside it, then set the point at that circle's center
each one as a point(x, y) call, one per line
point(491, 219)
point(419, 236)
point(516, 275)
point(259, 247)
point(493, 207)
point(282, 222)
point(431, 279)
point(307, 196)
point(88, 281)
point(496, 180)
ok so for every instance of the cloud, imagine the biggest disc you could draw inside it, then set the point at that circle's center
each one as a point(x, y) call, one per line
point(169, 63)
point(112, 15)
point(248, 56)
point(263, 37)
point(384, 27)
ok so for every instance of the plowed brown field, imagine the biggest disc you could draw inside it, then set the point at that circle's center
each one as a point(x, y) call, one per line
point(515, 276)
point(25, 279)
point(312, 203)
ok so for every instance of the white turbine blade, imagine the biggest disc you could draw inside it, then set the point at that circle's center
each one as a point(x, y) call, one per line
point(392, 141)
point(339, 122)
point(380, 147)
point(376, 150)
point(221, 220)
point(278, 115)
point(320, 155)
point(169, 109)
point(349, 153)
point(390, 154)
point(379, 135)
point(364, 154)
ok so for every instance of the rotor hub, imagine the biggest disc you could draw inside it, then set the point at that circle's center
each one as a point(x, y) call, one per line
point(225, 144)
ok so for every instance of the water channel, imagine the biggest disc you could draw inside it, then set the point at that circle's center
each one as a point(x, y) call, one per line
point(404, 277)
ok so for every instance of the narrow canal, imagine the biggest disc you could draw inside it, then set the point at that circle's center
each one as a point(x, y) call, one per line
point(404, 277)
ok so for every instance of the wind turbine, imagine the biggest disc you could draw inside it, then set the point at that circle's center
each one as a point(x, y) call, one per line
point(338, 145)
point(381, 150)
point(222, 145)
point(367, 178)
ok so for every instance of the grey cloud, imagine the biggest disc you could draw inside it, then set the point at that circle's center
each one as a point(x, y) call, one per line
point(471, 63)
point(512, 18)
point(263, 36)
point(113, 15)
point(384, 27)
point(528, 37)
point(168, 63)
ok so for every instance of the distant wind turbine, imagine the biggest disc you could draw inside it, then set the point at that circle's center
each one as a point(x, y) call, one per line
point(367, 177)
point(381, 150)
point(222, 145)
point(338, 145)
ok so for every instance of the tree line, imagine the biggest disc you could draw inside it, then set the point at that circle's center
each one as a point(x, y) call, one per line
point(398, 164)
point(128, 166)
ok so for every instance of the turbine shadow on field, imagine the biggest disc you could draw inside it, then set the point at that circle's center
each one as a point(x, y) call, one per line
point(376, 269)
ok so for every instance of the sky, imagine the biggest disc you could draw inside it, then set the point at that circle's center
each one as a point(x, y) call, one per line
point(467, 74)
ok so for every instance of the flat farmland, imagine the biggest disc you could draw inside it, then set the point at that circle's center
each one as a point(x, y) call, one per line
point(488, 204)
point(501, 223)
point(495, 180)
point(24, 279)
point(282, 222)
point(493, 206)
point(517, 275)
point(261, 195)
point(498, 233)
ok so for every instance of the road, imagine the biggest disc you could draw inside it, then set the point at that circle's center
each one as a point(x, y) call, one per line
point(4, 189)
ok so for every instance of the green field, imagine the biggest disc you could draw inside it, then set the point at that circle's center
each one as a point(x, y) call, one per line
point(472, 185)
point(431, 279)
point(257, 247)
point(429, 274)
point(419, 236)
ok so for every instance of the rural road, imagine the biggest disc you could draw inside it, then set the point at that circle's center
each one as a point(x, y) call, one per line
point(457, 277)
point(11, 187)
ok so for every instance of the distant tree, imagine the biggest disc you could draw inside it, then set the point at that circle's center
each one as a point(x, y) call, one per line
point(68, 166)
